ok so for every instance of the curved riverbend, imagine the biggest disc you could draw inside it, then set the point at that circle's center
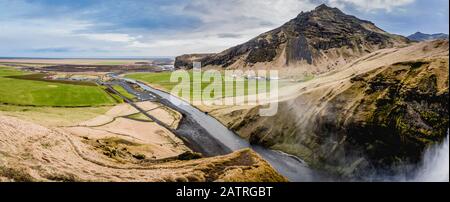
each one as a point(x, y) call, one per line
point(207, 135)
point(291, 167)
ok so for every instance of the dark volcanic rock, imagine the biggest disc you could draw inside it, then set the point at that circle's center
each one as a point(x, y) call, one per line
point(186, 61)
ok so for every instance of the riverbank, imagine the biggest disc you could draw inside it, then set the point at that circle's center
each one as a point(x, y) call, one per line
point(289, 166)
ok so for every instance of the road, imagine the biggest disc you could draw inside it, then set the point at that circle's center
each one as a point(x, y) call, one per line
point(188, 129)
point(207, 135)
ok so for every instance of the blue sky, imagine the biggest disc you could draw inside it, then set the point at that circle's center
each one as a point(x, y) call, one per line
point(120, 28)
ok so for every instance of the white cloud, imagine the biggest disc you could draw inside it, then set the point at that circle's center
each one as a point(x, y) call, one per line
point(240, 20)
point(274, 11)
point(113, 37)
point(222, 24)
point(20, 37)
point(371, 5)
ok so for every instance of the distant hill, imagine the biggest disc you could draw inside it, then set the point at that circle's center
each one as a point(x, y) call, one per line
point(419, 36)
point(324, 38)
point(185, 61)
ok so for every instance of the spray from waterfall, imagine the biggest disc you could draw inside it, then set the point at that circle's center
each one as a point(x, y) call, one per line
point(435, 164)
point(434, 167)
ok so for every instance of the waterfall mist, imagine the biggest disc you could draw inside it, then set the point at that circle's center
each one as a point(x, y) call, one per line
point(435, 164)
point(434, 167)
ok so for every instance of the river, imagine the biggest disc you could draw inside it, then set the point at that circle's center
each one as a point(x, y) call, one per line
point(211, 137)
point(293, 168)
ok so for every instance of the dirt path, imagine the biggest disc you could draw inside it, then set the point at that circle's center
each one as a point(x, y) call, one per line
point(192, 134)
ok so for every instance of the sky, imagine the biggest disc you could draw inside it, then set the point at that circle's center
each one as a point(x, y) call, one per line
point(136, 28)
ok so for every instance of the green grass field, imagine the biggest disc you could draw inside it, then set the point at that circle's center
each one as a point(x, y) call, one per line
point(124, 92)
point(162, 80)
point(140, 117)
point(41, 93)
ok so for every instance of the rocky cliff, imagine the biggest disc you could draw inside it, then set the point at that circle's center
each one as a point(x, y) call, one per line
point(382, 111)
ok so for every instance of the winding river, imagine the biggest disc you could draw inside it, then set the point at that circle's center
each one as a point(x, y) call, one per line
point(293, 168)
point(210, 137)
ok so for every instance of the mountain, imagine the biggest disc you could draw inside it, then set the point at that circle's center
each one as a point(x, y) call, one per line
point(382, 102)
point(324, 38)
point(419, 36)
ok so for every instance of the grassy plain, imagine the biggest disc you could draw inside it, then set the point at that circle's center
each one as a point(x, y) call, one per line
point(53, 116)
point(17, 91)
point(235, 88)
point(124, 92)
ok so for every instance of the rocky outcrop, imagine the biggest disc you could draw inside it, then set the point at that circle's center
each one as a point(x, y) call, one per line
point(322, 37)
point(186, 61)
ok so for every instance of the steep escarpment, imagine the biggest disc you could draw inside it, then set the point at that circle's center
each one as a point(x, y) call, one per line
point(389, 115)
point(356, 120)
point(324, 38)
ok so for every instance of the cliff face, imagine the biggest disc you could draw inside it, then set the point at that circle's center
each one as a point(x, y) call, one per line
point(324, 37)
point(390, 115)
point(352, 122)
